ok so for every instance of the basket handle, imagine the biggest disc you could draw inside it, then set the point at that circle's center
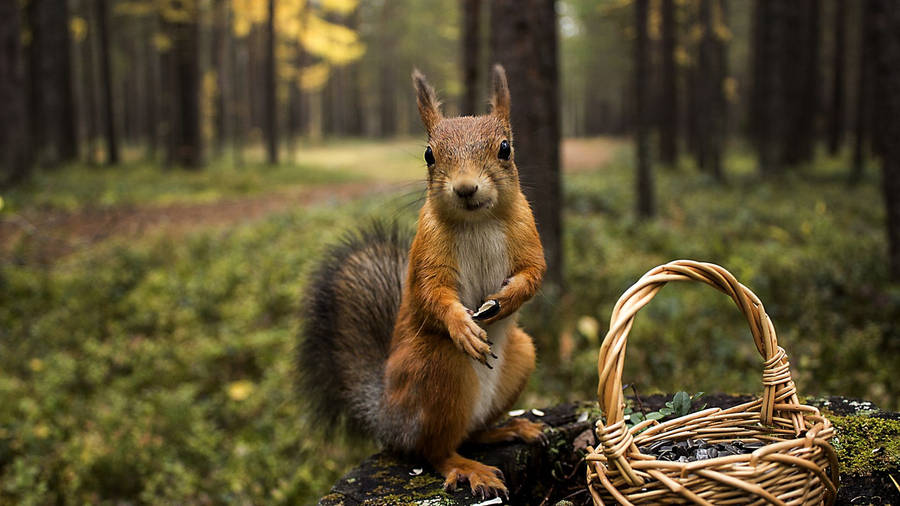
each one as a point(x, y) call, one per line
point(778, 387)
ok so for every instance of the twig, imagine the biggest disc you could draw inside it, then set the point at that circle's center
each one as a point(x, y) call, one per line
point(638, 398)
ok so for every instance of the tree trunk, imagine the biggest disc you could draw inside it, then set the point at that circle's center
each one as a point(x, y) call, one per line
point(471, 60)
point(836, 120)
point(87, 100)
point(14, 145)
point(524, 41)
point(646, 206)
point(668, 134)
point(53, 108)
point(221, 47)
point(184, 125)
point(387, 101)
point(808, 83)
point(886, 24)
point(271, 118)
point(711, 74)
point(353, 101)
point(863, 91)
point(112, 144)
point(151, 115)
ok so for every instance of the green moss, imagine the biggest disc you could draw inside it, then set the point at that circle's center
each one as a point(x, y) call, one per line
point(423, 480)
point(866, 444)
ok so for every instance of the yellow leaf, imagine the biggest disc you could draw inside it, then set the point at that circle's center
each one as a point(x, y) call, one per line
point(314, 77)
point(36, 365)
point(79, 28)
point(162, 42)
point(240, 390)
point(343, 7)
point(135, 7)
point(1, 203)
point(41, 431)
point(330, 41)
point(730, 89)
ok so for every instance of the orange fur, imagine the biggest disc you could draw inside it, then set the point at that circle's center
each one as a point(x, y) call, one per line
point(429, 373)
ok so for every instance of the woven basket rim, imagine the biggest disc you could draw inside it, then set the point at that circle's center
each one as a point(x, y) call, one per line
point(777, 414)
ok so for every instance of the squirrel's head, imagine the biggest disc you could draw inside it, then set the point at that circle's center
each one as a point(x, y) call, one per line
point(471, 170)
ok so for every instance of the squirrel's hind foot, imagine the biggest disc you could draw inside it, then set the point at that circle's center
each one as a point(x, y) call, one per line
point(484, 481)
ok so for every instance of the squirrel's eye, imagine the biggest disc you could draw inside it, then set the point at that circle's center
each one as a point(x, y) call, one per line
point(505, 150)
point(429, 156)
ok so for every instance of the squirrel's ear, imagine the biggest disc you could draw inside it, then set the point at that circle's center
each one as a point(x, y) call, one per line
point(429, 106)
point(499, 94)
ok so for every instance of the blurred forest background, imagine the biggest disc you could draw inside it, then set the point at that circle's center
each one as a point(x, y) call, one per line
point(172, 169)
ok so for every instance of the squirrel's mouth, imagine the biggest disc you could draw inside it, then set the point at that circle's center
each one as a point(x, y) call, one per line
point(474, 205)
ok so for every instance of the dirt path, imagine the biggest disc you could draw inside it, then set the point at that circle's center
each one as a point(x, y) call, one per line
point(43, 236)
point(49, 235)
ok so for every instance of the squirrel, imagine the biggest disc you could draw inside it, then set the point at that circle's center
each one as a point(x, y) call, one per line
point(393, 340)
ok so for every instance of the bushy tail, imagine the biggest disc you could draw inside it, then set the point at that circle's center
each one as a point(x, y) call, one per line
point(350, 306)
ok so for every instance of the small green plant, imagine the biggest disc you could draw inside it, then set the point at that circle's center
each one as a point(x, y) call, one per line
point(680, 405)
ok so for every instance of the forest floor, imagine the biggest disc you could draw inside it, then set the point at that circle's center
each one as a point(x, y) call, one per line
point(53, 227)
point(150, 356)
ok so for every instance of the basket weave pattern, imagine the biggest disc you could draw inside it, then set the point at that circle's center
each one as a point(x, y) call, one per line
point(797, 465)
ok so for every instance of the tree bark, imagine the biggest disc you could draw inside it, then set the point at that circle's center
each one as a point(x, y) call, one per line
point(353, 101)
point(87, 101)
point(152, 104)
point(387, 102)
point(668, 136)
point(184, 125)
point(524, 41)
point(52, 100)
point(646, 205)
point(112, 143)
point(471, 60)
point(711, 75)
point(808, 86)
point(221, 47)
point(271, 118)
point(886, 24)
point(836, 119)
point(14, 142)
point(863, 91)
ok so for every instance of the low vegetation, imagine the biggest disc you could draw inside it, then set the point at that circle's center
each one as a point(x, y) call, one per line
point(161, 369)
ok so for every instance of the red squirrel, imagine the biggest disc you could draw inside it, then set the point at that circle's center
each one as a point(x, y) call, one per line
point(404, 357)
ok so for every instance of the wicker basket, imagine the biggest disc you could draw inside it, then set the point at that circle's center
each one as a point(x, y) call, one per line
point(796, 465)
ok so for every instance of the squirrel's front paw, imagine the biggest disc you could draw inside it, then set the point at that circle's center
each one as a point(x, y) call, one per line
point(470, 338)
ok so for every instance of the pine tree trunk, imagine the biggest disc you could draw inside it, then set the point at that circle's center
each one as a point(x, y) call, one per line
point(524, 41)
point(863, 91)
point(886, 24)
point(52, 98)
point(836, 120)
point(151, 85)
point(387, 104)
point(185, 143)
point(14, 143)
point(668, 135)
point(88, 110)
point(471, 60)
point(712, 73)
point(271, 118)
point(112, 143)
point(221, 47)
point(353, 100)
point(646, 205)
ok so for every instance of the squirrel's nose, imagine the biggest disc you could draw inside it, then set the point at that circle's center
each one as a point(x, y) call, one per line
point(465, 189)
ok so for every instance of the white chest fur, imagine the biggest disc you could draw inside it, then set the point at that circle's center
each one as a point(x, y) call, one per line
point(483, 264)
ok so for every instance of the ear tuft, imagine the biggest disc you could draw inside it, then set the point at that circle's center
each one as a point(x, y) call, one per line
point(499, 93)
point(429, 106)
